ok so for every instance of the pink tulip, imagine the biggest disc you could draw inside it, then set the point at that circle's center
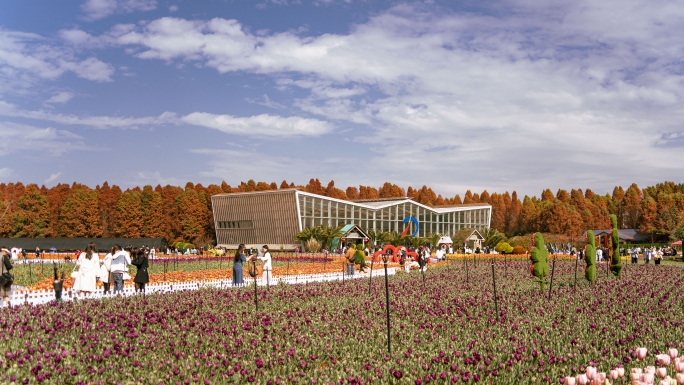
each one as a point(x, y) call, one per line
point(647, 378)
point(673, 353)
point(663, 359)
point(569, 380)
point(582, 379)
point(680, 378)
point(666, 381)
point(661, 372)
point(601, 377)
point(679, 366)
point(613, 375)
point(635, 374)
point(650, 369)
point(591, 372)
point(621, 372)
point(641, 353)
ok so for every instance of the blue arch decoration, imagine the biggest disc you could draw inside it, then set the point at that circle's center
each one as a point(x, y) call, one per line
point(415, 222)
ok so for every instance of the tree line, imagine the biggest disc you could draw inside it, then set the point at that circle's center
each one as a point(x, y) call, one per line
point(185, 213)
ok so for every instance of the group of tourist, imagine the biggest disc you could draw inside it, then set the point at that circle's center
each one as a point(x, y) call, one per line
point(650, 253)
point(240, 258)
point(112, 270)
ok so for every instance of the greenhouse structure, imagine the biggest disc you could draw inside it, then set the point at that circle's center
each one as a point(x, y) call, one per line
point(274, 217)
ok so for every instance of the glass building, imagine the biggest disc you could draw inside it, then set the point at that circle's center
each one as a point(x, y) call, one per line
point(274, 217)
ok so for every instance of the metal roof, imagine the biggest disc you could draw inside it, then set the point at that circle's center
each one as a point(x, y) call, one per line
point(632, 235)
point(373, 204)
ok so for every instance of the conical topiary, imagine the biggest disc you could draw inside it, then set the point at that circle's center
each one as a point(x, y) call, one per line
point(615, 265)
point(590, 257)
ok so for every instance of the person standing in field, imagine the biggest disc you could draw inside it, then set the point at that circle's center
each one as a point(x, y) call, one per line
point(238, 260)
point(105, 270)
point(88, 270)
point(141, 276)
point(268, 265)
point(5, 267)
point(120, 262)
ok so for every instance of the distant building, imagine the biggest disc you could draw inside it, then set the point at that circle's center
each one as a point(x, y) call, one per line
point(274, 217)
point(629, 236)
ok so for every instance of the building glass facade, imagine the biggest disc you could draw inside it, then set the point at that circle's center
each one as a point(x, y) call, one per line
point(389, 216)
point(274, 217)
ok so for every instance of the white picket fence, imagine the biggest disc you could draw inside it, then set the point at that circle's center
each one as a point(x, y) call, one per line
point(40, 297)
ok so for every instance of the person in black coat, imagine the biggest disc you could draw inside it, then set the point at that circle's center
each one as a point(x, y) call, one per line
point(6, 266)
point(142, 277)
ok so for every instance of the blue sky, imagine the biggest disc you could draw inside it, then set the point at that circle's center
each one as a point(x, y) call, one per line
point(500, 95)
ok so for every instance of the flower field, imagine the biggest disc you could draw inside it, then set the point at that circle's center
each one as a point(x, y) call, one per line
point(443, 330)
point(37, 276)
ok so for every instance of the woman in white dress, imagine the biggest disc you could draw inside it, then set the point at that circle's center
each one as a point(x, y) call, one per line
point(105, 269)
point(88, 270)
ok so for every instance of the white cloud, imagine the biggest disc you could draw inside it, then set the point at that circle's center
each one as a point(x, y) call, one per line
point(267, 102)
point(5, 173)
point(99, 9)
point(17, 138)
point(61, 97)
point(173, 8)
point(52, 177)
point(8, 109)
point(25, 56)
point(260, 125)
point(533, 93)
point(142, 178)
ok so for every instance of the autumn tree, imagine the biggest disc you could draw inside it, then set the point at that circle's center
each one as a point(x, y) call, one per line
point(389, 190)
point(191, 214)
point(152, 205)
point(368, 192)
point(333, 192)
point(352, 193)
point(31, 219)
point(130, 218)
point(80, 216)
point(314, 186)
point(109, 197)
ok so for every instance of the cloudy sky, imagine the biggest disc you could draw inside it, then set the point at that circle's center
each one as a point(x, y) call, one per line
point(498, 95)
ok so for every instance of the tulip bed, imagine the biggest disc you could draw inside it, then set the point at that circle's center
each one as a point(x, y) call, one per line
point(443, 330)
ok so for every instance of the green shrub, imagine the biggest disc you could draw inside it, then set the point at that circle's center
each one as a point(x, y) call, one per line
point(615, 265)
point(538, 256)
point(590, 257)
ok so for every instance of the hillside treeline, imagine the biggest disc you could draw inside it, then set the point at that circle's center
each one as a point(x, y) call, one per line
point(185, 213)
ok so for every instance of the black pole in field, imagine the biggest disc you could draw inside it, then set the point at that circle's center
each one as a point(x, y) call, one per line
point(576, 262)
point(466, 267)
point(370, 276)
point(256, 295)
point(553, 269)
point(496, 301)
point(387, 308)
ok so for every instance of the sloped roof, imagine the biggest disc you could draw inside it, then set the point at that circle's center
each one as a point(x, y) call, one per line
point(631, 235)
point(351, 228)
